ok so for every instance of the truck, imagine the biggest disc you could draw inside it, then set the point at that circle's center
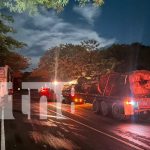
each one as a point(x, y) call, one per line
point(48, 92)
point(6, 77)
point(121, 95)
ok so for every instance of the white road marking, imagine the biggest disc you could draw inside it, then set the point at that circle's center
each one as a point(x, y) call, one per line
point(2, 131)
point(101, 132)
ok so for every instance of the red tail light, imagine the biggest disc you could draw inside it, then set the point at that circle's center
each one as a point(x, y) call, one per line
point(130, 101)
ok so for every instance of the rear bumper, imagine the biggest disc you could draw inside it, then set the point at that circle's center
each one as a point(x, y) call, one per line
point(130, 110)
point(140, 113)
point(142, 110)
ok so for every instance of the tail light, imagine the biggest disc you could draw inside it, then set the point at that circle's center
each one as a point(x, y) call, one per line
point(129, 101)
point(76, 100)
point(80, 100)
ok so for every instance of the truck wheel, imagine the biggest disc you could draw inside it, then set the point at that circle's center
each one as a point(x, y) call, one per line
point(96, 107)
point(116, 112)
point(104, 108)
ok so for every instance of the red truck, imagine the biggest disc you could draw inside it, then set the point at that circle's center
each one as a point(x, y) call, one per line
point(121, 95)
point(49, 93)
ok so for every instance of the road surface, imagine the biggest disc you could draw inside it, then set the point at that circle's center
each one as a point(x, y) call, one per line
point(72, 129)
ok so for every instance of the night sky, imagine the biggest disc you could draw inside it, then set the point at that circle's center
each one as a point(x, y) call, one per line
point(117, 21)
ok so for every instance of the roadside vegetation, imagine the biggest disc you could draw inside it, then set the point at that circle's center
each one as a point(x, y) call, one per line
point(68, 61)
point(9, 46)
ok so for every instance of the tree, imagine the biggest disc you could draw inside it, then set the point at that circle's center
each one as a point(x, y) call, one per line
point(14, 60)
point(129, 57)
point(69, 61)
point(91, 46)
point(64, 62)
point(39, 74)
point(33, 5)
point(8, 45)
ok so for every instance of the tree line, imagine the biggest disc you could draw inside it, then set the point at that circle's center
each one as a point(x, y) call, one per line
point(69, 61)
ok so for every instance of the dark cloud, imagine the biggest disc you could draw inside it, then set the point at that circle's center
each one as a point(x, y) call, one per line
point(49, 29)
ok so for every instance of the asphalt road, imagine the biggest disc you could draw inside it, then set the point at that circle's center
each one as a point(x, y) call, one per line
point(63, 128)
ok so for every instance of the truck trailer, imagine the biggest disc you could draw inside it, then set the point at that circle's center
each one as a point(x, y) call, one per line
point(121, 95)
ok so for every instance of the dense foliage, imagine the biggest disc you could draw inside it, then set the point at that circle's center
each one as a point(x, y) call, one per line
point(69, 61)
point(130, 57)
point(9, 44)
point(14, 60)
point(6, 41)
point(33, 5)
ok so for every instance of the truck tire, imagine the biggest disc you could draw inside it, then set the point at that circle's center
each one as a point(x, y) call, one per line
point(104, 108)
point(117, 112)
point(96, 107)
